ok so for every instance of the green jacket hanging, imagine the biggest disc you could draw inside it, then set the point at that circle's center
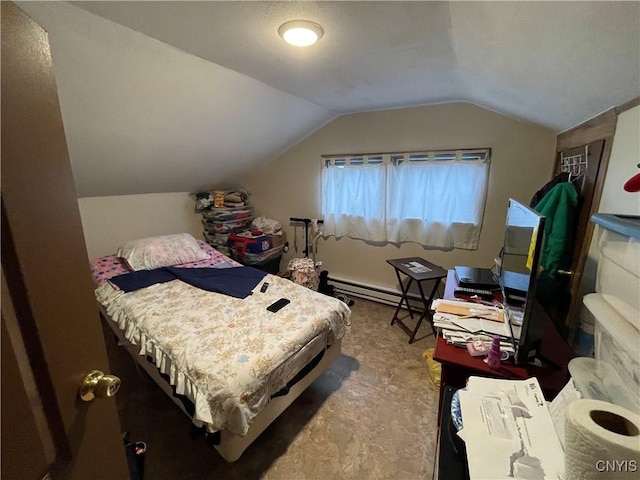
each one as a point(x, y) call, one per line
point(560, 207)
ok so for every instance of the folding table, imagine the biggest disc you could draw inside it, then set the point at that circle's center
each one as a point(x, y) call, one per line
point(420, 270)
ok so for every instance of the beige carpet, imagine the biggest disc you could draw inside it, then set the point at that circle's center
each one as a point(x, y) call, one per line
point(371, 415)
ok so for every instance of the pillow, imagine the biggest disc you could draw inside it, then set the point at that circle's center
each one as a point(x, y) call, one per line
point(103, 268)
point(163, 251)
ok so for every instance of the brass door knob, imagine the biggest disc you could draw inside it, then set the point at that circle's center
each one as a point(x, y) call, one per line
point(97, 384)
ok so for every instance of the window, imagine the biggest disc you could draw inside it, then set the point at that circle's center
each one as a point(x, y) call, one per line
point(433, 198)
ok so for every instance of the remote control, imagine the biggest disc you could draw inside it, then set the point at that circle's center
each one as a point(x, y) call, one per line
point(278, 304)
point(264, 287)
point(469, 292)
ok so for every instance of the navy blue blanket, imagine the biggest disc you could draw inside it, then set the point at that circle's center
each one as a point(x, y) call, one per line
point(236, 282)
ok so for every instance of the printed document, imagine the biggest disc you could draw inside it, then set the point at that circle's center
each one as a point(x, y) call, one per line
point(509, 432)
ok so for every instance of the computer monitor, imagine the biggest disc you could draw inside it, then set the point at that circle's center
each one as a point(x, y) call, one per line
point(518, 274)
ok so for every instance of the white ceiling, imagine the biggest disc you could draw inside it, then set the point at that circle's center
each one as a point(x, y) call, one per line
point(552, 63)
point(181, 96)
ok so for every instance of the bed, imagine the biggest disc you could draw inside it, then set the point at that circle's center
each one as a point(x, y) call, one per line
point(238, 365)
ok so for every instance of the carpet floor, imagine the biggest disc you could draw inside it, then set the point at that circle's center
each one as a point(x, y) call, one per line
point(371, 415)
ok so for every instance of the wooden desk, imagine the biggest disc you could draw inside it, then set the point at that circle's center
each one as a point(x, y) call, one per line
point(458, 365)
point(422, 271)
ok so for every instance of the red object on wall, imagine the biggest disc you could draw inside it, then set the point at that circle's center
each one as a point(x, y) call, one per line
point(633, 184)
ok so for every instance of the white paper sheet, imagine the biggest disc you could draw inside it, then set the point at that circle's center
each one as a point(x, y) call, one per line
point(509, 432)
point(556, 408)
point(477, 325)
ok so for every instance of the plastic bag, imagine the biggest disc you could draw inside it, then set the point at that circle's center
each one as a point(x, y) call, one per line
point(435, 368)
point(266, 225)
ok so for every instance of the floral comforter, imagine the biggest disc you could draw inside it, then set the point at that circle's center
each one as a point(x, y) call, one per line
point(227, 355)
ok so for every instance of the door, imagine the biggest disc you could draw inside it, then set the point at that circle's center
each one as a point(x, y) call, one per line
point(51, 333)
point(586, 186)
point(588, 171)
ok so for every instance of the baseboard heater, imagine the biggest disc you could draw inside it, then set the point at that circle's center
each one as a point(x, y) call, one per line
point(374, 293)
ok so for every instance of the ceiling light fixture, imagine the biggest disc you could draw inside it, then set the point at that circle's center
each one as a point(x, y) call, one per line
point(300, 33)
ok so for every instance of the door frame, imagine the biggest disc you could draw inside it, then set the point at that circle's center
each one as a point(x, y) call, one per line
point(599, 128)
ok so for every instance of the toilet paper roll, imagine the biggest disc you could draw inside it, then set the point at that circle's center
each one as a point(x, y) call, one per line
point(602, 441)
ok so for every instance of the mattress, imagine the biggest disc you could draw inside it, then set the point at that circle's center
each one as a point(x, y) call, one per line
point(229, 356)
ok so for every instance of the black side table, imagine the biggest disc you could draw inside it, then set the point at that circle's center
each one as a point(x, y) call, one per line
point(420, 270)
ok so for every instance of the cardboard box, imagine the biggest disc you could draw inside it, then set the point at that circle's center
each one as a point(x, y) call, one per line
point(278, 240)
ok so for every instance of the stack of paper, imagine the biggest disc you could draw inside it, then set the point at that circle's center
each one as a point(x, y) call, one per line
point(508, 430)
point(472, 322)
point(469, 309)
point(461, 338)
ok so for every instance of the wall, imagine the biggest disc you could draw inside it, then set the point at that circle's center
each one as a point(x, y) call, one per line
point(522, 161)
point(625, 155)
point(110, 221)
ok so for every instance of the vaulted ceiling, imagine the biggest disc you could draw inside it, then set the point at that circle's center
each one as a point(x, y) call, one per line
point(541, 61)
point(219, 83)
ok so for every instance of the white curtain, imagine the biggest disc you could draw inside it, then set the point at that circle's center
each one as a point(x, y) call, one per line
point(353, 201)
point(436, 204)
point(431, 202)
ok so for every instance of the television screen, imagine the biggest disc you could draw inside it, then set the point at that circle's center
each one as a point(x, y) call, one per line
point(519, 260)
